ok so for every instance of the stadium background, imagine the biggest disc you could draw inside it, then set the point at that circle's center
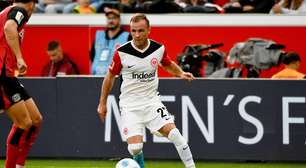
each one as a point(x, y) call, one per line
point(76, 32)
point(75, 99)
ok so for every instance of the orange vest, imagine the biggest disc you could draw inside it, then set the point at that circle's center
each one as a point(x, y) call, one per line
point(288, 74)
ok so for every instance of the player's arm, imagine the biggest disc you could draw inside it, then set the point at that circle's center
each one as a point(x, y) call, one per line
point(175, 70)
point(107, 85)
point(16, 18)
point(12, 38)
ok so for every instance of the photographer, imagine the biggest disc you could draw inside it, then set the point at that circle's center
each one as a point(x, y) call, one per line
point(292, 62)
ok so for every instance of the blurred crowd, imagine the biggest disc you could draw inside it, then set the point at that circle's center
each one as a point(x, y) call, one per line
point(173, 6)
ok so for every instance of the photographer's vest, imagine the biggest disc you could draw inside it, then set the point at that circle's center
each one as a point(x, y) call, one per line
point(104, 51)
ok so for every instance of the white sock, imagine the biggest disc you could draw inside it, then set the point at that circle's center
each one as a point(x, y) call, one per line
point(181, 147)
point(19, 166)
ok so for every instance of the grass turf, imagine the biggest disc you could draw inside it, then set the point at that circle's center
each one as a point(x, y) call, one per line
point(152, 164)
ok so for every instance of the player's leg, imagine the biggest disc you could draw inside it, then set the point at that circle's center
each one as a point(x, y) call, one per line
point(18, 113)
point(163, 124)
point(169, 130)
point(133, 131)
point(32, 133)
point(14, 96)
point(135, 145)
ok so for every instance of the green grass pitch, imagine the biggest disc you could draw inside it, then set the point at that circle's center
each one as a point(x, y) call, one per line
point(152, 164)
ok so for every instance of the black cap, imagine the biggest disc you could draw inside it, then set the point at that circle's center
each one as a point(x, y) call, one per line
point(291, 57)
point(113, 11)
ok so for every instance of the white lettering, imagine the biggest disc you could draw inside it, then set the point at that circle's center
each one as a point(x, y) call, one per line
point(250, 119)
point(286, 119)
point(187, 105)
point(112, 107)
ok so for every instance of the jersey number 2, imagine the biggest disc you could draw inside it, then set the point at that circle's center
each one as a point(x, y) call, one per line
point(162, 113)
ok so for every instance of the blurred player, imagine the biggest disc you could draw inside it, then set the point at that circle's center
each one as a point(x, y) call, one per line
point(18, 105)
point(137, 61)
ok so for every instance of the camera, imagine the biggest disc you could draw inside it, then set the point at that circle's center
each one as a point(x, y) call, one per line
point(193, 56)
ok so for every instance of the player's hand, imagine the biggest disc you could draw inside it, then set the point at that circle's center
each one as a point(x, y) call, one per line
point(102, 111)
point(187, 75)
point(22, 66)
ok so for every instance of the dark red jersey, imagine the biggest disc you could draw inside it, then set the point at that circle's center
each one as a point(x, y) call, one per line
point(7, 57)
point(63, 67)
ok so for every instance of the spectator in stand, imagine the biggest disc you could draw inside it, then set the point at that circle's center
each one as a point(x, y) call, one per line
point(201, 6)
point(289, 7)
point(127, 6)
point(59, 63)
point(51, 6)
point(220, 2)
point(94, 4)
point(106, 42)
point(158, 6)
point(101, 5)
point(249, 6)
point(292, 62)
point(181, 3)
point(83, 7)
point(124, 6)
point(192, 6)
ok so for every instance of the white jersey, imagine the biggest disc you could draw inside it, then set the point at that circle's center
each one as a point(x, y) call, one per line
point(139, 72)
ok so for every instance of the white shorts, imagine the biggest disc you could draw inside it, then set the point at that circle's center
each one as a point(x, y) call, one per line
point(154, 117)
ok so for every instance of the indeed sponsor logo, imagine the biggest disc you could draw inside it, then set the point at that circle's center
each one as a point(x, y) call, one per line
point(143, 75)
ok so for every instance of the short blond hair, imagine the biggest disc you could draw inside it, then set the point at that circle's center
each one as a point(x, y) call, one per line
point(138, 17)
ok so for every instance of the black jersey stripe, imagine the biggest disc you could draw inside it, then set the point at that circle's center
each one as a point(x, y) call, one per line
point(129, 49)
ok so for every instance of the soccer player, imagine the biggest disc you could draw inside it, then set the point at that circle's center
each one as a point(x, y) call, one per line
point(17, 103)
point(137, 61)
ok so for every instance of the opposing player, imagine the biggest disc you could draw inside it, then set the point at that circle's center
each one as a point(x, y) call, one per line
point(18, 105)
point(137, 61)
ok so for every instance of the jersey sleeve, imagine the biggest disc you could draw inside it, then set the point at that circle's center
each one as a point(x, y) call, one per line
point(116, 66)
point(19, 15)
point(166, 60)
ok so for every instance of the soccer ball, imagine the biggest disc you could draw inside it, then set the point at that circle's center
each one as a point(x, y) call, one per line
point(127, 163)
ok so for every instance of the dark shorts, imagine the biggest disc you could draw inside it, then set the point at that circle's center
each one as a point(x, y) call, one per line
point(11, 92)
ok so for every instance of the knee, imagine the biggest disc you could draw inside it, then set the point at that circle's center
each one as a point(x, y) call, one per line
point(26, 123)
point(166, 129)
point(135, 149)
point(37, 120)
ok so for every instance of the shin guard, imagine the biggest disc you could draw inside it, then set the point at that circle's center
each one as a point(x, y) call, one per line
point(14, 143)
point(29, 141)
